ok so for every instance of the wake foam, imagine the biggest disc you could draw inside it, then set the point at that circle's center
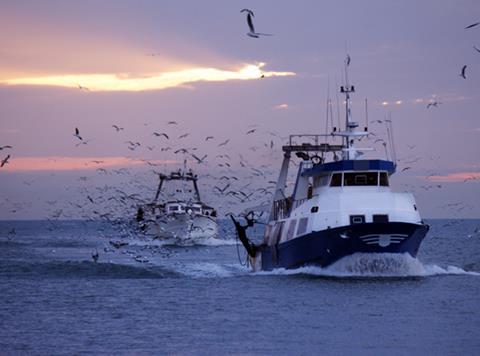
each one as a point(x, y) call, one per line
point(208, 241)
point(375, 265)
point(211, 270)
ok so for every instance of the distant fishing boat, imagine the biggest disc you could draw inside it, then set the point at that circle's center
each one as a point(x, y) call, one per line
point(338, 207)
point(184, 216)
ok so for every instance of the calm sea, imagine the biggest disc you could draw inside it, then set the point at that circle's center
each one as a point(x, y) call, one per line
point(150, 298)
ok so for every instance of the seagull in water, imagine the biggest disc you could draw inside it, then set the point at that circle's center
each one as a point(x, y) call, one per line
point(95, 256)
point(251, 28)
point(462, 74)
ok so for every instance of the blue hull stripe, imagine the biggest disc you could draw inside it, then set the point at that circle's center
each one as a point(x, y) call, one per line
point(322, 248)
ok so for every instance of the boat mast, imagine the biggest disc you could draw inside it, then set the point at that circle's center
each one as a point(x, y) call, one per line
point(349, 151)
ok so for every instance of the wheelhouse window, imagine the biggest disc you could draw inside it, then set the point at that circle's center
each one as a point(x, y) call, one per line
point(360, 178)
point(383, 179)
point(321, 180)
point(291, 229)
point(336, 180)
point(302, 226)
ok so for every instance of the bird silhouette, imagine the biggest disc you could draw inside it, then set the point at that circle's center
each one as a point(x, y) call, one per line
point(472, 25)
point(77, 134)
point(4, 161)
point(251, 28)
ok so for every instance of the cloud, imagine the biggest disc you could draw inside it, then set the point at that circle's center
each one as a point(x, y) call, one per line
point(456, 177)
point(26, 164)
point(158, 81)
point(281, 107)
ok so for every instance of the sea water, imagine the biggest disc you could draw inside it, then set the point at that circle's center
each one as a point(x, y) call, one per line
point(156, 297)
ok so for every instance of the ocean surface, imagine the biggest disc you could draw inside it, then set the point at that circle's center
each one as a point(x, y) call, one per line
point(151, 297)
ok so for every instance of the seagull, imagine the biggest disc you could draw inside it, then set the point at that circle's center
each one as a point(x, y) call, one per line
point(434, 103)
point(118, 128)
point(472, 25)
point(77, 134)
point(252, 32)
point(184, 135)
point(4, 161)
point(462, 74)
point(250, 131)
point(95, 256)
point(182, 150)
point(476, 49)
point(199, 160)
point(223, 189)
point(82, 88)
point(172, 123)
point(348, 60)
point(224, 143)
point(403, 170)
point(4, 147)
point(161, 134)
point(209, 138)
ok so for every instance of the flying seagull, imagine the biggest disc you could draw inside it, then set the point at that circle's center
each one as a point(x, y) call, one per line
point(4, 161)
point(4, 147)
point(199, 160)
point(118, 128)
point(251, 28)
point(434, 104)
point(348, 60)
point(77, 134)
point(462, 74)
point(476, 49)
point(82, 87)
point(161, 134)
point(472, 25)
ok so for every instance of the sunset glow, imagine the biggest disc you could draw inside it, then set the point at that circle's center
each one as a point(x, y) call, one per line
point(456, 177)
point(114, 82)
point(25, 164)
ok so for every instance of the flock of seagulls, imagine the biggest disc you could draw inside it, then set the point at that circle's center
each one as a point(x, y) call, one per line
point(464, 68)
point(239, 181)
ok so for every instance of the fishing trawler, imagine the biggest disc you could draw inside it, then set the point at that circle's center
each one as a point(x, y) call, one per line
point(341, 205)
point(182, 215)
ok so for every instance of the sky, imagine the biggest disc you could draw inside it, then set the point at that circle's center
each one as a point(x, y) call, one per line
point(142, 64)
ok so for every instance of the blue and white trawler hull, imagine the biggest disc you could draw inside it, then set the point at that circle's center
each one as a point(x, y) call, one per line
point(322, 248)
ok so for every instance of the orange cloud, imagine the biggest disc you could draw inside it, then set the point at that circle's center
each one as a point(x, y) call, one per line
point(456, 177)
point(113, 82)
point(24, 164)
